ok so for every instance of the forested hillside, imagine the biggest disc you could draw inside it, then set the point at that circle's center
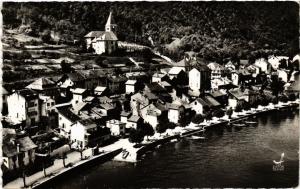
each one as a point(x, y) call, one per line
point(215, 29)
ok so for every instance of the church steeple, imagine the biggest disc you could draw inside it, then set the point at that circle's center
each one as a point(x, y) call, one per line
point(110, 25)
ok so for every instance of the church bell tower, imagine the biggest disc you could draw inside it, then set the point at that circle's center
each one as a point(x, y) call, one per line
point(110, 25)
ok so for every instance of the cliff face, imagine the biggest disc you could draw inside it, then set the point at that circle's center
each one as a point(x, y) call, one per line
point(215, 29)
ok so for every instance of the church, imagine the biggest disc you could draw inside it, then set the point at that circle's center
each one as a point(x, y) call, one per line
point(103, 41)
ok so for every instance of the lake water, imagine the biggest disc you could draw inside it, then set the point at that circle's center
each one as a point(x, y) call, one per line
point(228, 158)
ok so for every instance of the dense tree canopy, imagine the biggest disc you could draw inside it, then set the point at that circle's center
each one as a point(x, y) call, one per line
point(214, 29)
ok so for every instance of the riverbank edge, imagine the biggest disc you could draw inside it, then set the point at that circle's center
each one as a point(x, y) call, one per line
point(101, 158)
point(153, 145)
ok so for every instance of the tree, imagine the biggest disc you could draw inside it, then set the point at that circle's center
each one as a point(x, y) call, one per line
point(283, 98)
point(135, 136)
point(146, 129)
point(161, 128)
point(65, 67)
point(292, 97)
point(198, 118)
point(218, 113)
point(238, 108)
point(229, 112)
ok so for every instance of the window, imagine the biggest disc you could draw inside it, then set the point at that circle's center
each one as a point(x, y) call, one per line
point(30, 104)
point(52, 103)
point(48, 104)
point(63, 125)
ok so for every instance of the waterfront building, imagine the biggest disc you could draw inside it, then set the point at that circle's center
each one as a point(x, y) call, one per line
point(134, 122)
point(117, 128)
point(86, 133)
point(24, 105)
point(175, 112)
point(17, 152)
point(66, 119)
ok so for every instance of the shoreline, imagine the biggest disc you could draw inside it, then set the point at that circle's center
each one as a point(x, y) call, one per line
point(195, 130)
point(114, 151)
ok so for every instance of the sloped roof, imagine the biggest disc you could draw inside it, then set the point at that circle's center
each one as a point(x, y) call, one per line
point(109, 36)
point(100, 89)
point(93, 34)
point(79, 91)
point(41, 84)
point(211, 101)
point(134, 118)
point(173, 106)
point(4, 91)
point(88, 123)
point(107, 106)
point(238, 94)
point(76, 76)
point(68, 114)
point(130, 82)
point(217, 93)
point(155, 87)
point(126, 114)
point(79, 106)
point(215, 66)
point(175, 70)
point(201, 101)
point(28, 94)
point(26, 144)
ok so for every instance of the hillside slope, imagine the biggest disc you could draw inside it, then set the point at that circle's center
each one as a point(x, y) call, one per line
point(215, 29)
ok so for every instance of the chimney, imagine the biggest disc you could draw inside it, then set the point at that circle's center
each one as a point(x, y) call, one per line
point(18, 148)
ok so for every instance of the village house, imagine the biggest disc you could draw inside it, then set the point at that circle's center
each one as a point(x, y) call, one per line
point(220, 96)
point(206, 102)
point(134, 121)
point(199, 77)
point(175, 112)
point(125, 116)
point(72, 80)
point(44, 86)
point(263, 65)
point(282, 74)
point(116, 84)
point(174, 71)
point(101, 91)
point(24, 105)
point(216, 70)
point(151, 115)
point(86, 133)
point(117, 128)
point(131, 86)
point(78, 95)
point(47, 103)
point(66, 119)
point(137, 102)
point(17, 152)
point(230, 66)
point(275, 60)
point(103, 41)
point(237, 96)
point(160, 77)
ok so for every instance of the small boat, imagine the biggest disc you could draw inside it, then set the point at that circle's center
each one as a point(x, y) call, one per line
point(174, 140)
point(239, 124)
point(250, 122)
point(197, 137)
